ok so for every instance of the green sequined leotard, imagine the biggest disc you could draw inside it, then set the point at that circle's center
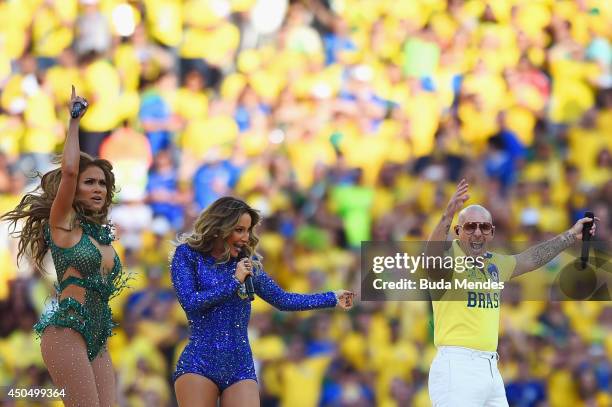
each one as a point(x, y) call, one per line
point(92, 318)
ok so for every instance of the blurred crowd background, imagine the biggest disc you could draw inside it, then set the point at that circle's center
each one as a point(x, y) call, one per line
point(341, 121)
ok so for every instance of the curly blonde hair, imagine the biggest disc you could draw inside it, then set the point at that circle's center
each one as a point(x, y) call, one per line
point(219, 220)
point(35, 208)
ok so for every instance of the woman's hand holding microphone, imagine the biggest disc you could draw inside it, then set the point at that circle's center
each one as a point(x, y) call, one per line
point(244, 268)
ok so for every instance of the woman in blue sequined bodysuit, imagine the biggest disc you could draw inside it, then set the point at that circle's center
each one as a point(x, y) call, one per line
point(209, 283)
point(67, 214)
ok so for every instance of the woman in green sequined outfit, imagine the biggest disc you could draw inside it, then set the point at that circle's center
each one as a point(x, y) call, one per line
point(67, 215)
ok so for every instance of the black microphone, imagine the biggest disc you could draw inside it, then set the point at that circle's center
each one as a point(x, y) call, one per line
point(248, 281)
point(77, 108)
point(586, 239)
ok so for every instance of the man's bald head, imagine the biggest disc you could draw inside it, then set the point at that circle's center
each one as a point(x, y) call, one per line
point(475, 210)
point(472, 239)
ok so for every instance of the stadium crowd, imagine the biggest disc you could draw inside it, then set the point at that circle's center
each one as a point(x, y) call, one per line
point(341, 121)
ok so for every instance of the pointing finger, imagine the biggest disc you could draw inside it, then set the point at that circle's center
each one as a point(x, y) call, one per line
point(73, 92)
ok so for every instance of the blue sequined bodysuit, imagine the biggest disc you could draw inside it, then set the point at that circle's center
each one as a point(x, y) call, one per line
point(218, 317)
point(92, 318)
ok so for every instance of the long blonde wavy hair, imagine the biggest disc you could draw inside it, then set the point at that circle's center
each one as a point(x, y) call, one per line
point(35, 208)
point(219, 220)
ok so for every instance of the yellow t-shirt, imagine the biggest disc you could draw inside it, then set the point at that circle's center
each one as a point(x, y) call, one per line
point(368, 153)
point(302, 381)
point(128, 66)
point(214, 45)
point(571, 94)
point(60, 78)
point(477, 125)
point(15, 18)
point(305, 154)
point(50, 30)
point(522, 122)
point(473, 322)
point(423, 110)
point(165, 20)
point(191, 105)
point(12, 130)
point(267, 84)
point(202, 134)
point(532, 18)
point(41, 135)
point(102, 82)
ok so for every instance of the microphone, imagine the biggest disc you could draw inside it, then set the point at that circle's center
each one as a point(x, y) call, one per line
point(586, 239)
point(77, 108)
point(248, 281)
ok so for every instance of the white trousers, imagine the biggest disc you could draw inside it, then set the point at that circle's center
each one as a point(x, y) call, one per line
point(463, 377)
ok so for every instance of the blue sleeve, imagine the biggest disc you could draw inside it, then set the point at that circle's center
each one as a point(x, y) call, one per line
point(267, 289)
point(147, 108)
point(184, 278)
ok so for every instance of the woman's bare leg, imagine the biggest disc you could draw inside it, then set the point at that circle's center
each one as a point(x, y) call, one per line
point(244, 393)
point(194, 390)
point(105, 379)
point(65, 355)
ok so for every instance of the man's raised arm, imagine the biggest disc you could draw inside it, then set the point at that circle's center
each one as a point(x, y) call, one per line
point(440, 232)
point(438, 241)
point(537, 256)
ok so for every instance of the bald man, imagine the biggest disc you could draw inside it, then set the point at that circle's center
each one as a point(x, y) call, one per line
point(464, 371)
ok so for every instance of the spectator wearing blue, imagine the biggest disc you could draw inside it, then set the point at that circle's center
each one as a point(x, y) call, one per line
point(337, 41)
point(525, 391)
point(213, 180)
point(156, 115)
point(164, 196)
